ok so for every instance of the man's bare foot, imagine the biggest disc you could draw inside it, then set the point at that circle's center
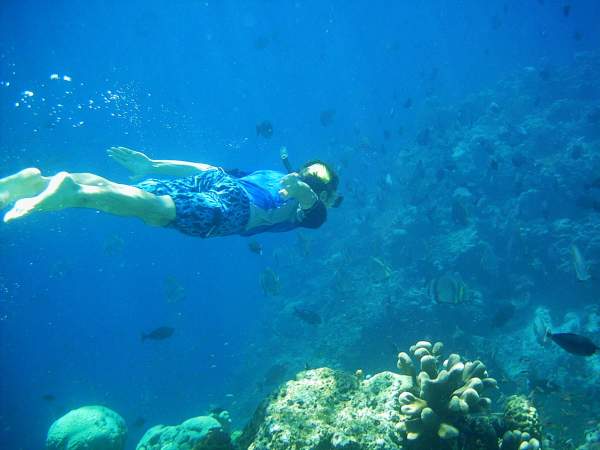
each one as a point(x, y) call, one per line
point(26, 183)
point(60, 193)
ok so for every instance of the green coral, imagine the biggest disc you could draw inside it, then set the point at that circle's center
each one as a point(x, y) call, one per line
point(520, 414)
point(445, 395)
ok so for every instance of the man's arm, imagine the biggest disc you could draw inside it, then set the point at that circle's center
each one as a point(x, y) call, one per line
point(293, 187)
point(140, 165)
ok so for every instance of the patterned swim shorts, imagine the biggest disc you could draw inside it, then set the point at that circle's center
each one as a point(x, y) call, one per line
point(212, 203)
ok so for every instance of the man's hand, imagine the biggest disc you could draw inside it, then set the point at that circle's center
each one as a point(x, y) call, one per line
point(293, 187)
point(136, 162)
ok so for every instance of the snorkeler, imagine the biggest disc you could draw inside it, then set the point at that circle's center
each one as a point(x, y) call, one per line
point(195, 198)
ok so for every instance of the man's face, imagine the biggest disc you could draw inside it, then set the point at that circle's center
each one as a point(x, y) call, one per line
point(329, 199)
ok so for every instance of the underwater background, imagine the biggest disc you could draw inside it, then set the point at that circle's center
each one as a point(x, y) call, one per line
point(467, 138)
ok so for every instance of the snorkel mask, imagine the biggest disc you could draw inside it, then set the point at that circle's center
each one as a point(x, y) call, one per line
point(318, 176)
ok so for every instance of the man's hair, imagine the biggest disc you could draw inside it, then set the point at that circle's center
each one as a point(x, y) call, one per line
point(316, 183)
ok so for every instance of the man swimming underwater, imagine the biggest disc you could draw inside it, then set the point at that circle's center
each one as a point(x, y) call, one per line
point(195, 198)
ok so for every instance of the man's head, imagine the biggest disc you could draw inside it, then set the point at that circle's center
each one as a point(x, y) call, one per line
point(323, 181)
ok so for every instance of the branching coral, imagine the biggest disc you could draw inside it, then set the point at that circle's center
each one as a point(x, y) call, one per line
point(445, 393)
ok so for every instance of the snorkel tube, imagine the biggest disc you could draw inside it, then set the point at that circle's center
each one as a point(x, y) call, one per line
point(283, 154)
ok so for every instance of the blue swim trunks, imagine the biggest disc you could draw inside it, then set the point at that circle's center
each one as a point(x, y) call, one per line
point(212, 203)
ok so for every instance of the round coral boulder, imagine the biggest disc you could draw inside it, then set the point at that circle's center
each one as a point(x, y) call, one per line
point(89, 428)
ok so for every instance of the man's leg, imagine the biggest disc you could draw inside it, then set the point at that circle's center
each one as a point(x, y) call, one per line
point(85, 190)
point(26, 183)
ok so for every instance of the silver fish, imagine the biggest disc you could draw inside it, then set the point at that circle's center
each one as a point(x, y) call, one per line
point(579, 264)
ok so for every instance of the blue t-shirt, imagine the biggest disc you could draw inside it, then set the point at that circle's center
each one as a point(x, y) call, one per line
point(263, 188)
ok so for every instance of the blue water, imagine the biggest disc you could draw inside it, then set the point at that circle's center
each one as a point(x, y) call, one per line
point(190, 80)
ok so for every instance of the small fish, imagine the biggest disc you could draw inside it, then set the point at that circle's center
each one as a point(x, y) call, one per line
point(566, 10)
point(494, 164)
point(577, 36)
point(574, 343)
point(269, 282)
point(48, 397)
point(387, 134)
point(503, 315)
point(327, 117)
point(159, 334)
point(308, 316)
point(262, 42)
point(264, 129)
point(255, 247)
point(274, 374)
point(460, 213)
point(594, 184)
point(518, 160)
point(579, 264)
point(407, 103)
point(448, 289)
point(139, 422)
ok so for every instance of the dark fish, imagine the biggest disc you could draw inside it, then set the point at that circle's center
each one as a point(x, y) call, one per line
point(593, 116)
point(215, 410)
point(503, 315)
point(587, 202)
point(264, 129)
point(407, 103)
point(460, 214)
point(594, 184)
point(262, 42)
point(542, 385)
point(327, 117)
point(440, 174)
point(424, 137)
point(48, 397)
point(255, 247)
point(577, 36)
point(275, 374)
point(496, 23)
point(387, 134)
point(576, 152)
point(545, 73)
point(308, 316)
point(574, 343)
point(518, 160)
point(566, 10)
point(139, 422)
point(159, 334)
point(493, 164)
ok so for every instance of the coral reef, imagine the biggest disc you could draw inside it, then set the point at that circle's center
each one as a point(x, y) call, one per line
point(592, 439)
point(439, 406)
point(520, 414)
point(447, 394)
point(327, 409)
point(88, 428)
point(497, 188)
point(197, 433)
point(516, 440)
